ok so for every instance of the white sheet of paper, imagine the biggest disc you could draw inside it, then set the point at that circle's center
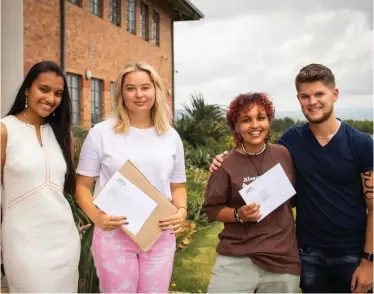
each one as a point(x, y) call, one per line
point(120, 197)
point(270, 190)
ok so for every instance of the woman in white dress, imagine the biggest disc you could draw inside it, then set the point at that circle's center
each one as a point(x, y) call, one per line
point(40, 242)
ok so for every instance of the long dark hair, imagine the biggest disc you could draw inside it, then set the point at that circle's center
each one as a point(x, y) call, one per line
point(60, 121)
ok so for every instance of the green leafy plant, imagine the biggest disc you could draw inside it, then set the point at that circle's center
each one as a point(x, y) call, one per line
point(195, 211)
point(88, 281)
point(196, 182)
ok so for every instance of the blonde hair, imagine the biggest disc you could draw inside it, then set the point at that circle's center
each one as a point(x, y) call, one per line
point(160, 113)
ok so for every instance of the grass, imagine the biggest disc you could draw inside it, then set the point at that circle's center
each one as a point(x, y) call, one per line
point(193, 266)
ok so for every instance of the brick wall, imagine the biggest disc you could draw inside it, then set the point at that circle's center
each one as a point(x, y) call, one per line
point(95, 44)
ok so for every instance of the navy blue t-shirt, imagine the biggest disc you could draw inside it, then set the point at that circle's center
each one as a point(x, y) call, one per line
point(330, 205)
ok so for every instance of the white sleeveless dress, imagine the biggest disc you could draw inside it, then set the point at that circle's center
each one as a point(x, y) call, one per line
point(40, 242)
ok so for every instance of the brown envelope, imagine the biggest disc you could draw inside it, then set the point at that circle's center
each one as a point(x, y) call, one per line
point(150, 231)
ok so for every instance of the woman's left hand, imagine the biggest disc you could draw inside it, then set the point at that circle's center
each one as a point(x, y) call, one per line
point(175, 223)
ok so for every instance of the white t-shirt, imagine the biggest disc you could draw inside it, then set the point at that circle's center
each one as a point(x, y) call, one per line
point(159, 158)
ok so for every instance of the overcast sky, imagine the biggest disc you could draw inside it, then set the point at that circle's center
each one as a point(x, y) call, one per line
point(260, 45)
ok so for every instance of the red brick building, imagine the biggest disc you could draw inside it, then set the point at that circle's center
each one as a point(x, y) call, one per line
point(93, 39)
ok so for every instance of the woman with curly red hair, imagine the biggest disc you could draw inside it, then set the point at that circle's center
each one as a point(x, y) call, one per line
point(252, 256)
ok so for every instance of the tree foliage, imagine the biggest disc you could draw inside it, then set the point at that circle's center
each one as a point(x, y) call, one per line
point(282, 124)
point(203, 130)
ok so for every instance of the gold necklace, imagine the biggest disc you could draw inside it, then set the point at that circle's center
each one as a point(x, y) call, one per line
point(330, 136)
point(24, 114)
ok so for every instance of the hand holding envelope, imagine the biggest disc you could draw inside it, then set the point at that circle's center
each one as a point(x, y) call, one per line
point(270, 190)
point(174, 223)
point(120, 196)
point(249, 212)
point(128, 193)
point(108, 222)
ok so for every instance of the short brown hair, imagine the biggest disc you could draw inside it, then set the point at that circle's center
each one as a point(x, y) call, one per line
point(314, 73)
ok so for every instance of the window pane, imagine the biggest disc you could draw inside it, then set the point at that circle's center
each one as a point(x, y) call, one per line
point(76, 2)
point(95, 7)
point(155, 28)
point(96, 99)
point(131, 16)
point(114, 11)
point(144, 21)
point(74, 91)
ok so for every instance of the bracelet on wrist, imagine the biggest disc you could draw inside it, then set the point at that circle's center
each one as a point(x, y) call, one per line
point(183, 208)
point(236, 216)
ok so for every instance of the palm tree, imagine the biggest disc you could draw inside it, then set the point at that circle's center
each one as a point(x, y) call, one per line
point(203, 129)
point(200, 121)
point(199, 110)
point(190, 130)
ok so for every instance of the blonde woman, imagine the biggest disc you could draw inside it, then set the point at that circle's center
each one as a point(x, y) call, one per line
point(141, 132)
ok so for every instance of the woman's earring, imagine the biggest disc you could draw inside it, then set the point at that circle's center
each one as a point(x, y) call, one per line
point(26, 102)
point(54, 114)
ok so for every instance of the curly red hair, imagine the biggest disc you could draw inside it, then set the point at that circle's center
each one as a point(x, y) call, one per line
point(243, 103)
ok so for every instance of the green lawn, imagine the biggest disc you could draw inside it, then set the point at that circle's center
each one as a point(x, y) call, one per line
point(193, 265)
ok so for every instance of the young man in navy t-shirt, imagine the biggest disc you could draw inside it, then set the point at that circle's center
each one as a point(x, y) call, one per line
point(334, 203)
point(334, 185)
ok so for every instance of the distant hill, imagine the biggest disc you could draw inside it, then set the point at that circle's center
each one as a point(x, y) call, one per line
point(343, 113)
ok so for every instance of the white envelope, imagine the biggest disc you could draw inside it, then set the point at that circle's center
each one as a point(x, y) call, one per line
point(270, 190)
point(120, 197)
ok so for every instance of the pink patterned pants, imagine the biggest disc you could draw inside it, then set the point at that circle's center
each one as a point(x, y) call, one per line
point(123, 267)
